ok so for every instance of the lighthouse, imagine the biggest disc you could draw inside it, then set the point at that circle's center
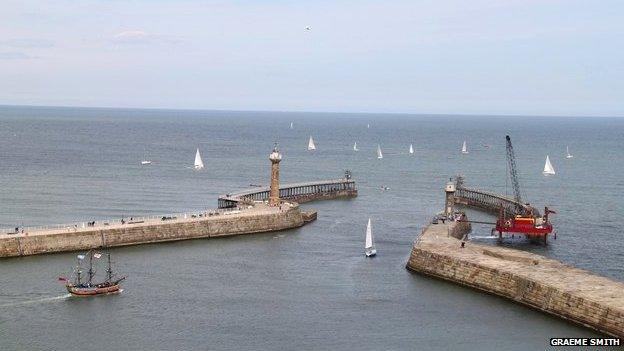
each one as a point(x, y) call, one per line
point(275, 157)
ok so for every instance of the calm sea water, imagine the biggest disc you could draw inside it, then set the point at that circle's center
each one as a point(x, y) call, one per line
point(309, 288)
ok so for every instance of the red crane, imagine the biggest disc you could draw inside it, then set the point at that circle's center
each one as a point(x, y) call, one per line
point(522, 220)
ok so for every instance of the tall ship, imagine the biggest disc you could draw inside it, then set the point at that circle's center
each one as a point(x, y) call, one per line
point(86, 286)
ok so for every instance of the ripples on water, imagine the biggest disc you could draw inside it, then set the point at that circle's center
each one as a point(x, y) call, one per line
point(301, 289)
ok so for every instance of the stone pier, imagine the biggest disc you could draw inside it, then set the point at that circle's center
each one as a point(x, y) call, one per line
point(252, 219)
point(532, 280)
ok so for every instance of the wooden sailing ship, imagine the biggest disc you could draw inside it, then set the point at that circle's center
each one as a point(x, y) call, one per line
point(88, 287)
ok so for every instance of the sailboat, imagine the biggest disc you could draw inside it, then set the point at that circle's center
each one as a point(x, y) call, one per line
point(355, 148)
point(90, 288)
point(411, 150)
point(291, 125)
point(568, 155)
point(548, 168)
point(379, 154)
point(368, 126)
point(369, 247)
point(199, 164)
point(145, 160)
point(464, 148)
point(311, 145)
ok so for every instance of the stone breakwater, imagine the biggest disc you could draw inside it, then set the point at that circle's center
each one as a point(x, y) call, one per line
point(544, 284)
point(258, 218)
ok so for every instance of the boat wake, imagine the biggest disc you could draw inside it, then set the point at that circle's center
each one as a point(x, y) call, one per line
point(42, 300)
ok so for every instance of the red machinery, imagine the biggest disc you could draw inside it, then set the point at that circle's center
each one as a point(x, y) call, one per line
point(528, 225)
point(523, 221)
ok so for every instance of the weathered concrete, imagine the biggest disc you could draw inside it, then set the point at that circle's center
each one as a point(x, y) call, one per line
point(259, 218)
point(547, 285)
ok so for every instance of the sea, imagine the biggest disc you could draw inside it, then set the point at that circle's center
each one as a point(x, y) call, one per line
point(309, 288)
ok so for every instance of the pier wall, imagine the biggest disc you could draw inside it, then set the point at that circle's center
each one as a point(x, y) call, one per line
point(207, 227)
point(326, 196)
point(544, 284)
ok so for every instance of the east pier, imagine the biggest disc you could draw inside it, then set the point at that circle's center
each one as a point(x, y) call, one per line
point(548, 285)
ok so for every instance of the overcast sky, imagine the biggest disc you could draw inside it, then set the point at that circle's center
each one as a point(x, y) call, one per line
point(470, 57)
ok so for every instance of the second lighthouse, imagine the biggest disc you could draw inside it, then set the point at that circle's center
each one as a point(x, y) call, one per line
point(275, 157)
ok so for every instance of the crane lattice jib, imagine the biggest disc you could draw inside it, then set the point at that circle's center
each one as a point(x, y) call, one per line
point(511, 161)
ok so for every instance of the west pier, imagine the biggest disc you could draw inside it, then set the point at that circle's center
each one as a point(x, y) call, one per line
point(252, 211)
point(547, 285)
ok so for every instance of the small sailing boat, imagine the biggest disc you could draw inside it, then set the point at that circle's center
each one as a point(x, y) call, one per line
point(145, 160)
point(411, 149)
point(379, 154)
point(548, 168)
point(464, 149)
point(311, 145)
point(355, 148)
point(90, 288)
point(199, 164)
point(368, 126)
point(568, 154)
point(291, 125)
point(369, 247)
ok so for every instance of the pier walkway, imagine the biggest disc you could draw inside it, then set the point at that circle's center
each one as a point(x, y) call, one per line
point(490, 202)
point(297, 192)
point(209, 224)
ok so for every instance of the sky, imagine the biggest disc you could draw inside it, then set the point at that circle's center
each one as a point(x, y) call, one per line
point(517, 57)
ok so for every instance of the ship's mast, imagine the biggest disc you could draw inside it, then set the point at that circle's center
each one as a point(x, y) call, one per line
point(90, 267)
point(78, 275)
point(109, 271)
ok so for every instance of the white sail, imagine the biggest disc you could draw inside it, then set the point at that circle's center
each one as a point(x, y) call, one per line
point(291, 125)
point(369, 246)
point(145, 161)
point(311, 145)
point(199, 164)
point(411, 150)
point(548, 168)
point(379, 154)
point(369, 235)
point(355, 148)
point(368, 126)
point(464, 148)
point(568, 154)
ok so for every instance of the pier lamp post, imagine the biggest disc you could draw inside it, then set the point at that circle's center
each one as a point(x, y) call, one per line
point(275, 157)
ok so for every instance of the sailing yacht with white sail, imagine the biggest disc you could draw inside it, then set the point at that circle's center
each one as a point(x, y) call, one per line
point(464, 149)
point(568, 154)
point(369, 246)
point(199, 164)
point(291, 125)
point(548, 168)
point(311, 145)
point(379, 154)
point(411, 149)
point(145, 161)
point(355, 148)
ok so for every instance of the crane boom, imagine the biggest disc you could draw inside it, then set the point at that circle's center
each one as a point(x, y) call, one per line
point(511, 162)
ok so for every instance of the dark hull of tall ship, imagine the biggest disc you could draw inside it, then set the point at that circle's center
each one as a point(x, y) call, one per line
point(99, 289)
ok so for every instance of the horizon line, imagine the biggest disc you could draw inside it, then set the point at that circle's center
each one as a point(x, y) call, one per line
point(316, 111)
